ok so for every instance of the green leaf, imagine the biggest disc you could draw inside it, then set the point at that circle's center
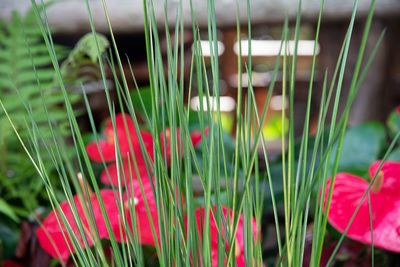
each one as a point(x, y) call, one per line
point(32, 77)
point(393, 123)
point(28, 95)
point(277, 182)
point(8, 239)
point(395, 155)
point(85, 53)
point(7, 210)
point(362, 146)
point(141, 100)
point(36, 60)
point(88, 45)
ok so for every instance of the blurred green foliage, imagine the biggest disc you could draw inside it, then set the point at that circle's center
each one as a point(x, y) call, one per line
point(33, 100)
point(28, 94)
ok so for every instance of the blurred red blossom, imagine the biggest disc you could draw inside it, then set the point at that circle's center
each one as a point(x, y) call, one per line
point(215, 228)
point(137, 208)
point(136, 203)
point(53, 234)
point(128, 138)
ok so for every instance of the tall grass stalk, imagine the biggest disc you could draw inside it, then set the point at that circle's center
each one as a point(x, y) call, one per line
point(180, 243)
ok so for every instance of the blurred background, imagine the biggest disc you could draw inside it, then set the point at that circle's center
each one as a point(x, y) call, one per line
point(379, 93)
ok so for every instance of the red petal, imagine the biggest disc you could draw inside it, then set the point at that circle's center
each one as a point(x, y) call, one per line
point(241, 261)
point(350, 188)
point(148, 143)
point(52, 231)
point(200, 213)
point(385, 206)
point(165, 140)
point(126, 136)
point(391, 172)
point(107, 150)
point(128, 169)
point(135, 201)
point(111, 203)
point(196, 136)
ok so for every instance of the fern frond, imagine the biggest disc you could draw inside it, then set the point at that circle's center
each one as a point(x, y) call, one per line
point(28, 92)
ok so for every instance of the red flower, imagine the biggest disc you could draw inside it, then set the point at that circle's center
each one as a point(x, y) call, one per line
point(125, 133)
point(398, 109)
point(52, 231)
point(135, 202)
point(127, 138)
point(385, 206)
point(239, 246)
point(127, 172)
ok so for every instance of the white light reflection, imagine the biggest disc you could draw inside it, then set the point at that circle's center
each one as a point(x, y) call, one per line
point(272, 47)
point(227, 103)
point(206, 49)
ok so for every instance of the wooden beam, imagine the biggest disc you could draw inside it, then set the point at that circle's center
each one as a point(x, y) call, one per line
point(70, 16)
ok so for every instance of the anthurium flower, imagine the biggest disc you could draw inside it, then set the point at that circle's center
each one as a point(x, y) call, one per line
point(127, 172)
point(127, 139)
point(196, 136)
point(125, 133)
point(130, 149)
point(384, 205)
point(215, 228)
point(136, 211)
point(53, 234)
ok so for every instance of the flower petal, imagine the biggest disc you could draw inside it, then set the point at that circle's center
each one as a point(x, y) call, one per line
point(136, 202)
point(109, 176)
point(127, 137)
point(53, 235)
point(196, 136)
point(214, 232)
point(384, 204)
point(95, 152)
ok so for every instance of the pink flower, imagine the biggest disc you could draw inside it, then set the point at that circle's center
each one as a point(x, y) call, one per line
point(127, 139)
point(385, 206)
point(239, 239)
point(126, 134)
point(53, 235)
point(136, 211)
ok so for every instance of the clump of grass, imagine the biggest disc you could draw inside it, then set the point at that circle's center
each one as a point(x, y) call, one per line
point(180, 243)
